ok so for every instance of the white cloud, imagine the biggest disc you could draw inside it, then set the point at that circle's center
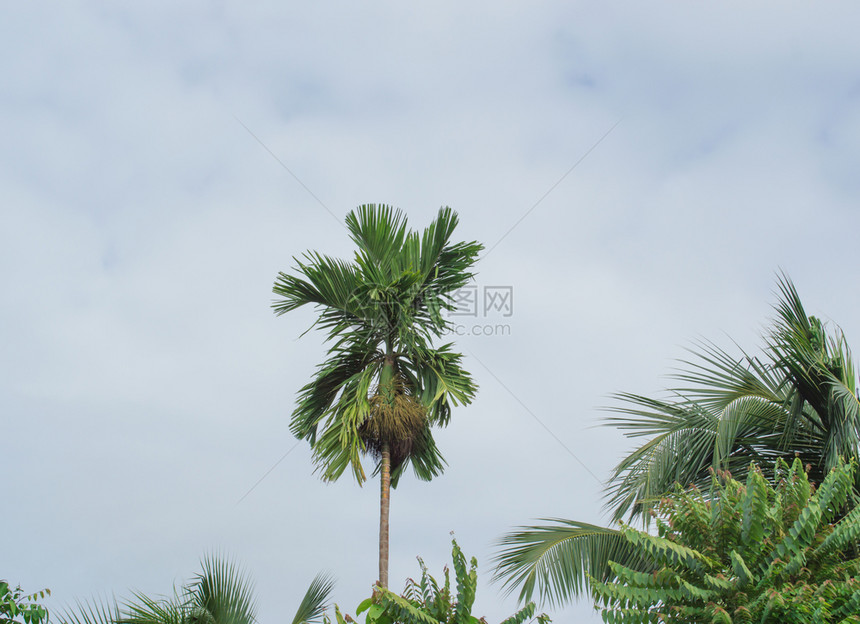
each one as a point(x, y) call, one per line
point(147, 386)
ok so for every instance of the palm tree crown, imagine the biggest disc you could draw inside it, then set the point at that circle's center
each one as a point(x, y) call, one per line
point(799, 399)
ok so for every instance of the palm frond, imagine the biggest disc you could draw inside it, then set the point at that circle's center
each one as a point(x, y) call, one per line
point(522, 615)
point(714, 378)
point(223, 591)
point(99, 611)
point(348, 365)
point(424, 457)
point(556, 560)
point(340, 445)
point(145, 610)
point(652, 469)
point(379, 232)
point(440, 380)
point(446, 266)
point(330, 283)
point(315, 601)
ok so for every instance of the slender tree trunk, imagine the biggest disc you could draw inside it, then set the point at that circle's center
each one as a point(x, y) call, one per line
point(386, 387)
point(384, 503)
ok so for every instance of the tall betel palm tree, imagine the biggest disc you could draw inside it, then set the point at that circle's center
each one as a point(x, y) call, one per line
point(384, 384)
point(798, 400)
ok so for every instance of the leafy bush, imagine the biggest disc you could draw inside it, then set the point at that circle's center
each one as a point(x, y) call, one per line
point(429, 602)
point(16, 607)
point(771, 554)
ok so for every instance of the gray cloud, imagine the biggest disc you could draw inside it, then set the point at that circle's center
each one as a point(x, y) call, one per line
point(146, 385)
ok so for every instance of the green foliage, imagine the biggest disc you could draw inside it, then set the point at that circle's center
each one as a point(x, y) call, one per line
point(428, 601)
point(385, 385)
point(314, 602)
point(220, 594)
point(91, 612)
point(800, 398)
point(17, 607)
point(766, 554)
point(729, 411)
point(381, 313)
point(558, 559)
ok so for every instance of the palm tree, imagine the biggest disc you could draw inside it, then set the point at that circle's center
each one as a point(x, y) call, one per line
point(220, 594)
point(799, 400)
point(384, 384)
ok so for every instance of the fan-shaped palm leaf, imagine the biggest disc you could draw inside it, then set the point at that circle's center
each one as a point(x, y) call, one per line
point(223, 592)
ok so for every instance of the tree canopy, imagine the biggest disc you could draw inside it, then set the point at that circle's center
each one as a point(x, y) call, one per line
point(797, 399)
point(429, 601)
point(756, 552)
point(381, 313)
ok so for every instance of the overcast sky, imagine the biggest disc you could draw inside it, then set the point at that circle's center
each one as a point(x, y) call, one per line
point(639, 172)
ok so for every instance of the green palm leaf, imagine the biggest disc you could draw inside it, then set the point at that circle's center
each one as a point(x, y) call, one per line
point(146, 610)
point(379, 232)
point(315, 600)
point(100, 611)
point(223, 592)
point(556, 560)
point(220, 594)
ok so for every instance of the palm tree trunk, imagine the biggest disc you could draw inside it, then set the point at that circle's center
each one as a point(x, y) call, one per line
point(384, 504)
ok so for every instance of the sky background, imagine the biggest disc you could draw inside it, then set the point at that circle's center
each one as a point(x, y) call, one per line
point(640, 172)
